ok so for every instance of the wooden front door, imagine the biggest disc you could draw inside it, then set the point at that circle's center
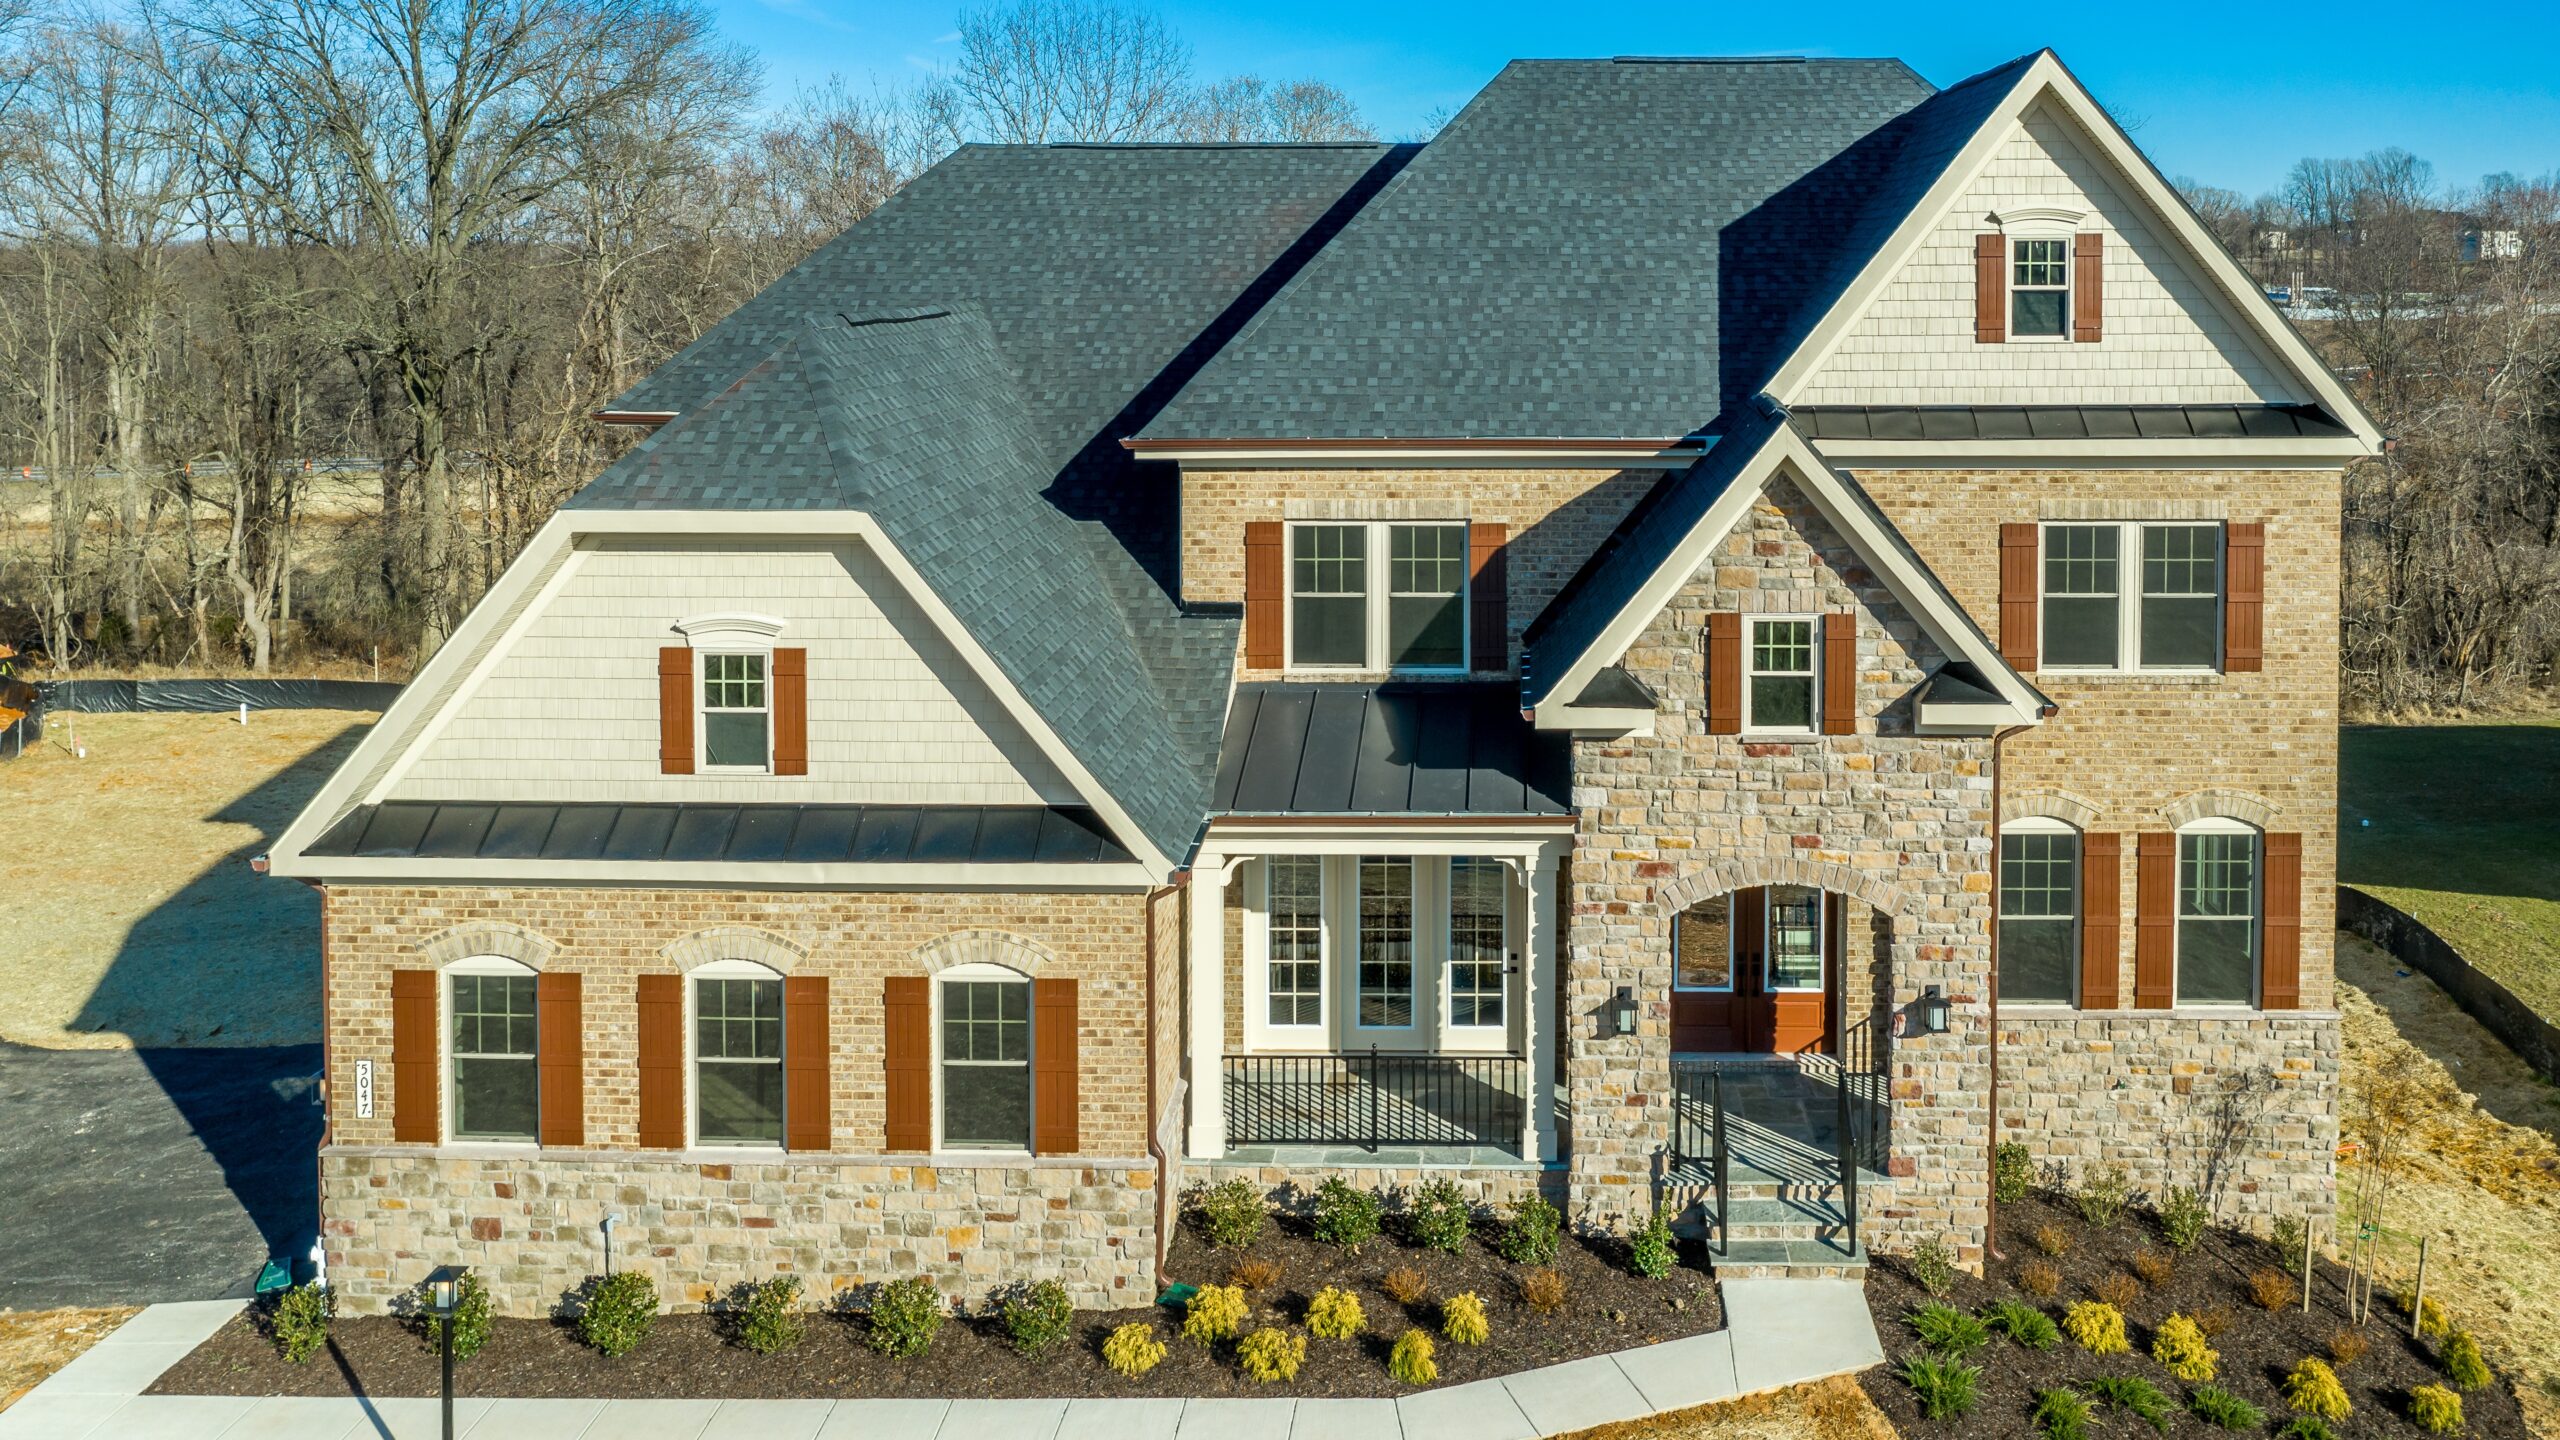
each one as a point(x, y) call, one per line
point(1756, 971)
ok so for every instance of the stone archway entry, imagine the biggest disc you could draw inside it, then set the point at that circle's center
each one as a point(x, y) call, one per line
point(1758, 971)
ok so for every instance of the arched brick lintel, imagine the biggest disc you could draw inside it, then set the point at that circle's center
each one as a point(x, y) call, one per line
point(2238, 805)
point(488, 937)
point(735, 942)
point(2076, 811)
point(983, 947)
point(1710, 881)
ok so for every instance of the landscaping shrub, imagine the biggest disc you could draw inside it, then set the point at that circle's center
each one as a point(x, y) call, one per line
point(2431, 1324)
point(2183, 1217)
point(470, 1318)
point(1346, 1215)
point(2313, 1389)
point(2097, 1327)
point(1255, 1274)
point(1542, 1290)
point(2022, 1323)
point(1947, 1330)
point(1933, 1267)
point(2305, 1427)
point(2052, 1239)
point(2039, 1279)
point(620, 1309)
point(2347, 1345)
point(1462, 1320)
point(1335, 1315)
point(2270, 1288)
point(2223, 1410)
point(1650, 1252)
point(1946, 1388)
point(2062, 1413)
point(904, 1316)
point(2013, 1172)
point(299, 1324)
point(1410, 1363)
point(1214, 1313)
point(2437, 1410)
point(2153, 1266)
point(1404, 1285)
point(2179, 1345)
point(1133, 1349)
point(2286, 1235)
point(1530, 1236)
point(1440, 1216)
point(2135, 1396)
point(2102, 1195)
point(1271, 1354)
point(1038, 1316)
point(768, 1315)
point(2462, 1362)
point(1231, 1212)
point(2118, 1289)
point(2214, 1319)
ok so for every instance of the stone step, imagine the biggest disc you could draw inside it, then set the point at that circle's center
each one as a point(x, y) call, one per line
point(1788, 1259)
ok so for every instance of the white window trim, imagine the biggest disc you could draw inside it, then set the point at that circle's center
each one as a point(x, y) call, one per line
point(1375, 567)
point(988, 971)
point(702, 711)
point(1260, 1033)
point(1821, 942)
point(1812, 727)
point(2035, 225)
point(2219, 825)
point(1447, 963)
point(1731, 955)
point(2046, 825)
point(2129, 595)
point(728, 970)
point(1421, 897)
point(445, 1057)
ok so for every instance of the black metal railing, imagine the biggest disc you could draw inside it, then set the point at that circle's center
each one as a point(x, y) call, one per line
point(1805, 1120)
point(1376, 1099)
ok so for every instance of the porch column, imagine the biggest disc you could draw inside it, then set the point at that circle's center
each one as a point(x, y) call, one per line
point(1538, 1135)
point(1206, 1014)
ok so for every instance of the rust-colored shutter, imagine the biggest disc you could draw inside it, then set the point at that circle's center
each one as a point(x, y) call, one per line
point(2155, 920)
point(1990, 289)
point(1488, 599)
point(907, 1003)
point(2280, 964)
point(1840, 673)
point(416, 1117)
point(790, 712)
point(2018, 592)
point(662, 1062)
point(1054, 1098)
point(2244, 596)
point(2101, 918)
point(808, 1105)
point(1724, 673)
point(2088, 287)
point(560, 1046)
point(675, 710)
point(1265, 577)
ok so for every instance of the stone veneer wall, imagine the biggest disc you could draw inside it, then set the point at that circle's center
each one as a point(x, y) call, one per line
point(1293, 1187)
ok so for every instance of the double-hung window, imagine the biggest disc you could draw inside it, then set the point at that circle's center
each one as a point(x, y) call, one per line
point(2217, 914)
point(1778, 684)
point(1295, 908)
point(1477, 958)
point(737, 1057)
point(2132, 595)
point(986, 1064)
point(1386, 942)
point(737, 714)
point(495, 1089)
point(1377, 596)
point(2039, 287)
point(2039, 914)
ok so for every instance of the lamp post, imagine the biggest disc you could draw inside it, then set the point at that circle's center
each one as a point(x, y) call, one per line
point(444, 1298)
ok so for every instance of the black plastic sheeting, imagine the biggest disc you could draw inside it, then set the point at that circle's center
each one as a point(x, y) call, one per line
point(23, 732)
point(119, 697)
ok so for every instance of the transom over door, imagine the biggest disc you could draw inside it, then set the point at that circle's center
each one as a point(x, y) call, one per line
point(1757, 971)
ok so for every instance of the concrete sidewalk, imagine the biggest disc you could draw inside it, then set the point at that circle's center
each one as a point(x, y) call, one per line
point(1780, 1332)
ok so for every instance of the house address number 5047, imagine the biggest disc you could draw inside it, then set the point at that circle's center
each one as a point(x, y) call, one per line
point(364, 1089)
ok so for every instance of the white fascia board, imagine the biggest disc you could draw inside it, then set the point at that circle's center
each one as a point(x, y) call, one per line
point(1516, 836)
point(1942, 718)
point(2047, 79)
point(1593, 720)
point(2298, 454)
point(681, 875)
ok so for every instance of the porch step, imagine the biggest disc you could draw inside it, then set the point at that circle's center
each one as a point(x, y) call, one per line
point(1788, 1259)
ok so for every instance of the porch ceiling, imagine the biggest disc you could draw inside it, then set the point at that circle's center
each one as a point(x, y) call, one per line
point(1391, 749)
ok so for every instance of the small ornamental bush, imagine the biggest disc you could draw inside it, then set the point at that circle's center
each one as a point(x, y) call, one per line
point(620, 1309)
point(2022, 1323)
point(2223, 1410)
point(1947, 1330)
point(1215, 1313)
point(2013, 1171)
point(2313, 1389)
point(2102, 1195)
point(2437, 1410)
point(2305, 1427)
point(2039, 1279)
point(1650, 1252)
point(1231, 1212)
point(1404, 1285)
point(1542, 1290)
point(1037, 1317)
point(1530, 1236)
point(1933, 1267)
point(1411, 1362)
point(768, 1315)
point(2286, 1235)
point(470, 1318)
point(2183, 1217)
point(2096, 1327)
point(1335, 1315)
point(2432, 1323)
point(1256, 1274)
point(2180, 1345)
point(2154, 1266)
point(904, 1316)
point(2462, 1362)
point(2214, 1319)
point(1440, 1216)
point(2347, 1345)
point(299, 1324)
point(2270, 1288)
point(2118, 1289)
point(1272, 1355)
point(1133, 1349)
point(2052, 1239)
point(1945, 1388)
point(1346, 1215)
point(2136, 1397)
point(1462, 1320)
point(2062, 1413)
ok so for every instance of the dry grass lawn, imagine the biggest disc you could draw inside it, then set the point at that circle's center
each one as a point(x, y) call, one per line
point(125, 887)
point(35, 1343)
point(1834, 1409)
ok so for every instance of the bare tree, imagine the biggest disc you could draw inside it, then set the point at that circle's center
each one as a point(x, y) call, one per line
point(1245, 109)
point(1039, 71)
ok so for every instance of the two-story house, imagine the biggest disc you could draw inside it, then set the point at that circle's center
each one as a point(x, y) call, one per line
point(1723, 635)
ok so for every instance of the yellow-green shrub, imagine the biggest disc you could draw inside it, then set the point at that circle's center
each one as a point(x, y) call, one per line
point(2313, 1389)
point(2097, 1326)
point(2437, 1410)
point(1271, 1354)
point(1335, 1314)
point(2462, 1362)
point(1463, 1321)
point(1133, 1349)
point(2432, 1321)
point(1215, 1313)
point(2179, 1343)
point(1411, 1363)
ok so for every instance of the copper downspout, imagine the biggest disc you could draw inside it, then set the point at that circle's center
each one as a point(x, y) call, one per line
point(1991, 1190)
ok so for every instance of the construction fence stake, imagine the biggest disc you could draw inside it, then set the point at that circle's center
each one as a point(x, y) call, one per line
point(2418, 1296)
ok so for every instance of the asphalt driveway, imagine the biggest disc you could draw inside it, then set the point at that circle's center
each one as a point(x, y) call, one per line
point(133, 1176)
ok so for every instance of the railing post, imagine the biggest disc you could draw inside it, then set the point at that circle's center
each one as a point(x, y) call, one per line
point(1373, 1100)
point(1848, 1160)
point(1724, 1187)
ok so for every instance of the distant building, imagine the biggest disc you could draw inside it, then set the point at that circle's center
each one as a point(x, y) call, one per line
point(2492, 245)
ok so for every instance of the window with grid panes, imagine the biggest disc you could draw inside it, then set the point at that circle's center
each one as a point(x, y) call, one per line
point(1329, 595)
point(737, 1058)
point(986, 1064)
point(1795, 937)
point(1386, 941)
point(736, 723)
point(2082, 614)
point(1426, 596)
point(2181, 596)
point(1296, 915)
point(1477, 960)
point(2039, 917)
point(2039, 286)
point(495, 1087)
point(1781, 675)
point(2217, 918)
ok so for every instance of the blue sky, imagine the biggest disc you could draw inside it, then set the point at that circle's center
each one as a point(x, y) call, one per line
point(2232, 94)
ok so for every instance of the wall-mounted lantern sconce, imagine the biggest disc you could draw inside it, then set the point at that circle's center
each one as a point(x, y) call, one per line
point(1931, 1011)
point(1621, 1012)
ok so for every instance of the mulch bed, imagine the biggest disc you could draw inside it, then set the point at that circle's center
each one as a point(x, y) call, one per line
point(689, 1355)
point(2258, 1347)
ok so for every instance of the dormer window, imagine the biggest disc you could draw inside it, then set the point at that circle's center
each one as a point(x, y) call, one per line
point(2039, 288)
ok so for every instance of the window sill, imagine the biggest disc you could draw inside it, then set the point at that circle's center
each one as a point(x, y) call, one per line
point(2136, 677)
point(2061, 1013)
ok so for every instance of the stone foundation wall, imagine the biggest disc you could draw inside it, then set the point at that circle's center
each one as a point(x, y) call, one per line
point(532, 1229)
point(1292, 1187)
